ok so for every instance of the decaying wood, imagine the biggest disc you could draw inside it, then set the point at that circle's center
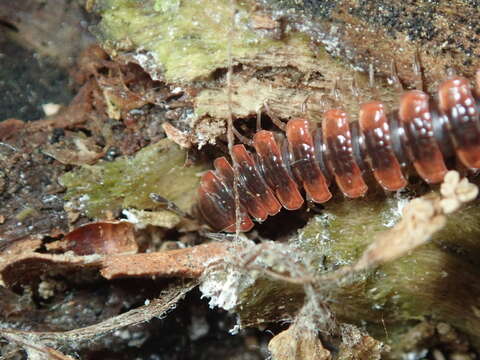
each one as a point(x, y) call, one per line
point(377, 32)
point(295, 82)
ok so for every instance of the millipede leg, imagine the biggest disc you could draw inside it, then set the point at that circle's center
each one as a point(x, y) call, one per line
point(371, 76)
point(243, 139)
point(304, 105)
point(259, 119)
point(169, 205)
point(335, 90)
point(278, 123)
point(394, 79)
point(354, 89)
point(418, 72)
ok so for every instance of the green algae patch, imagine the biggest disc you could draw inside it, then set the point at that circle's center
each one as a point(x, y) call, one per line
point(187, 40)
point(127, 182)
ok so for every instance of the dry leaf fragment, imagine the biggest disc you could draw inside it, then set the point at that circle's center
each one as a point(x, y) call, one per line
point(9, 127)
point(422, 217)
point(99, 238)
point(297, 344)
point(142, 218)
point(264, 21)
point(78, 151)
point(176, 135)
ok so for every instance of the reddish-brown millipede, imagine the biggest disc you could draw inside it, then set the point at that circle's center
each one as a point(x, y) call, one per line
point(421, 131)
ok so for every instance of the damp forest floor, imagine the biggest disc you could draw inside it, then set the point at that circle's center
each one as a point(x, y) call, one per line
point(110, 112)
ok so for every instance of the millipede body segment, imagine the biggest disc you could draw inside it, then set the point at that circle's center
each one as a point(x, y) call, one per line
point(421, 132)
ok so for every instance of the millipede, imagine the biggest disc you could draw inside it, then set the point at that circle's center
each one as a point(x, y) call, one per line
point(423, 131)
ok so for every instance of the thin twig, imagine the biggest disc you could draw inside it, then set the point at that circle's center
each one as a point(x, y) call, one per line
point(230, 134)
point(73, 338)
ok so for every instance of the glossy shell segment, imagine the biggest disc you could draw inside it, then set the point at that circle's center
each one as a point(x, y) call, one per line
point(339, 153)
point(217, 205)
point(385, 166)
point(275, 172)
point(253, 182)
point(304, 164)
point(249, 202)
point(416, 119)
point(458, 104)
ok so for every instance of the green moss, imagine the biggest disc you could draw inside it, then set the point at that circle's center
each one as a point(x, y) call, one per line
point(433, 282)
point(256, 305)
point(345, 229)
point(128, 181)
point(188, 40)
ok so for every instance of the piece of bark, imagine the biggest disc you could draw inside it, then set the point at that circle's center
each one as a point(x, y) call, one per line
point(23, 246)
point(185, 263)
point(27, 267)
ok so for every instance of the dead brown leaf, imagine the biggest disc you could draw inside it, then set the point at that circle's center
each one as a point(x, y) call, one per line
point(298, 343)
point(9, 127)
point(78, 151)
point(177, 136)
point(99, 238)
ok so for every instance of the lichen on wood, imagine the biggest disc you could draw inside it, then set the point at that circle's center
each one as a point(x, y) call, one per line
point(186, 42)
